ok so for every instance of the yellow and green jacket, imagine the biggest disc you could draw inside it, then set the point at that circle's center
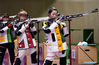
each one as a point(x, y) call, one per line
point(6, 35)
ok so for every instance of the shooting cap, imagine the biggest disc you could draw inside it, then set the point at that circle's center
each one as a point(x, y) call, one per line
point(5, 15)
point(22, 13)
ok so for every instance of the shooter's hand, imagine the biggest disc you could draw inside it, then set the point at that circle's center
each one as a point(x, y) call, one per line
point(27, 25)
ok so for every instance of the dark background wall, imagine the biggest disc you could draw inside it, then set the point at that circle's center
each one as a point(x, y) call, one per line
point(34, 7)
